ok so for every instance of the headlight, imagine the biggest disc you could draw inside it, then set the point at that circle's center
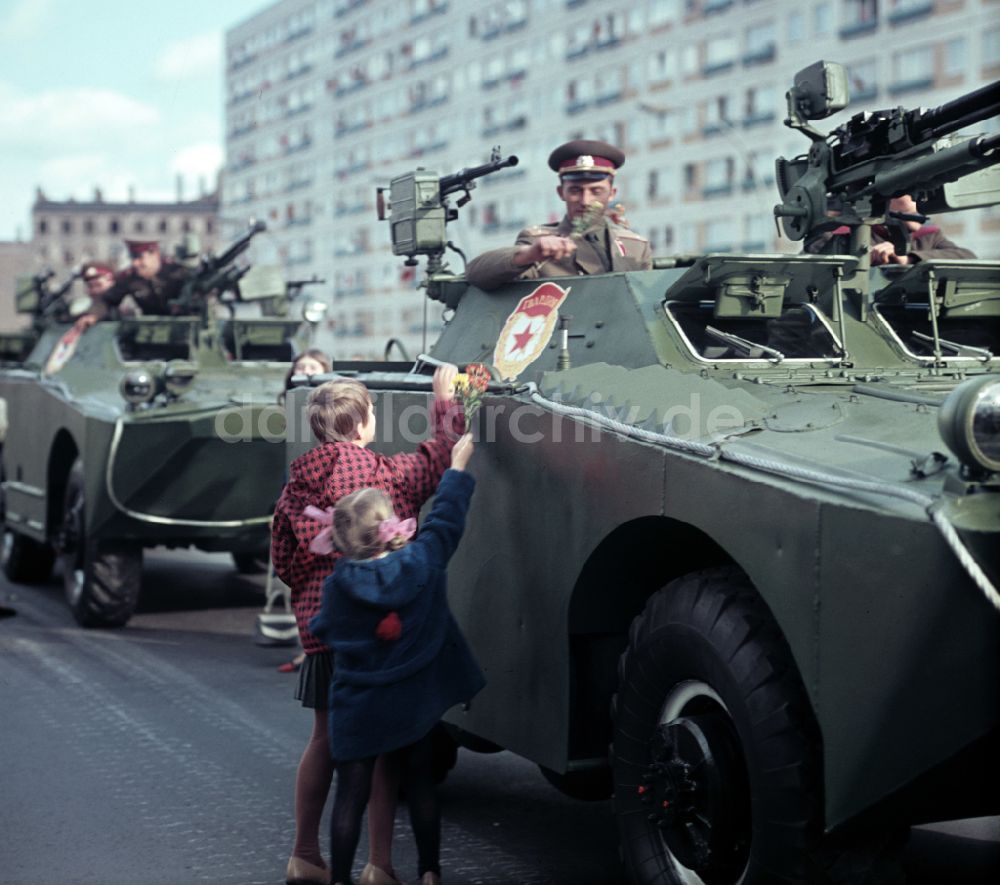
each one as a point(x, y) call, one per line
point(138, 386)
point(313, 311)
point(178, 376)
point(969, 423)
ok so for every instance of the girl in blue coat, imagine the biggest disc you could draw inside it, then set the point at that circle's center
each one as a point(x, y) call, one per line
point(400, 659)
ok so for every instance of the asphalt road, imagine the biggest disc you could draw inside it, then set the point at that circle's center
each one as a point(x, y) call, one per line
point(165, 753)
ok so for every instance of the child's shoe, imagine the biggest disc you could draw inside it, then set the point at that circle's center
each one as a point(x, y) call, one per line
point(373, 875)
point(301, 872)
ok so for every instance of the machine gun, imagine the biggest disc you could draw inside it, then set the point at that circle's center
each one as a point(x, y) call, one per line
point(849, 176)
point(214, 273)
point(47, 304)
point(419, 211)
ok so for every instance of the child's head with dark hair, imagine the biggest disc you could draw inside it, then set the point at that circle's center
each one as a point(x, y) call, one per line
point(310, 362)
point(339, 410)
point(364, 525)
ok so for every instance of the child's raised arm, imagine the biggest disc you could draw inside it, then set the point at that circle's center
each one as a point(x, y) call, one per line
point(423, 468)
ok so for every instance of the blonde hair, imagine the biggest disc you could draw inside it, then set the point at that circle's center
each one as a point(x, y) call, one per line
point(356, 521)
point(336, 408)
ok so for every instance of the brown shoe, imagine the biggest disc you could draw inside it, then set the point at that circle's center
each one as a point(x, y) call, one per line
point(301, 872)
point(373, 875)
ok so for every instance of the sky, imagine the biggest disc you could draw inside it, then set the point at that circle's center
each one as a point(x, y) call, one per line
point(110, 94)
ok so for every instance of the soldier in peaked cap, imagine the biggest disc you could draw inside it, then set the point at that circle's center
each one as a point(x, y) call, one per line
point(588, 240)
point(152, 281)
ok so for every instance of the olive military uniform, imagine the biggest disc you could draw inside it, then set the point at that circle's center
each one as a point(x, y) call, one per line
point(605, 247)
point(152, 296)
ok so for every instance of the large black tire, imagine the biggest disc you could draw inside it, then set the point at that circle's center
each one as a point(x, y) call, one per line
point(101, 578)
point(25, 560)
point(716, 754)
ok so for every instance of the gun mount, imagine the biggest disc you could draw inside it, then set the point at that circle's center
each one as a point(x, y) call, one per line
point(849, 176)
point(419, 212)
point(215, 273)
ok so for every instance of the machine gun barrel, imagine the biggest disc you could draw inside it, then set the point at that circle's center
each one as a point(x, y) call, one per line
point(973, 107)
point(448, 184)
point(937, 168)
point(238, 247)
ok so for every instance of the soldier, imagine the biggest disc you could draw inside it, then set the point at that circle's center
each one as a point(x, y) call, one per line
point(99, 278)
point(925, 242)
point(151, 281)
point(586, 241)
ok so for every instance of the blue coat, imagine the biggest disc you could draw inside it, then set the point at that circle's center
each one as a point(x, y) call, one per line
point(387, 694)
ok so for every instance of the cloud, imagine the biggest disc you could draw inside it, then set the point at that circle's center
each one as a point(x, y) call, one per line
point(71, 120)
point(198, 56)
point(27, 19)
point(196, 162)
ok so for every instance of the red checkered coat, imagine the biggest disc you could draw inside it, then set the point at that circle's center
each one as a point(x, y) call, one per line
point(322, 476)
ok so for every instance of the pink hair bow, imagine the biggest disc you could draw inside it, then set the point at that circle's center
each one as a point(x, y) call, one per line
point(394, 527)
point(323, 542)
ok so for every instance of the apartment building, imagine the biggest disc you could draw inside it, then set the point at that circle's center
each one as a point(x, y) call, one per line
point(66, 233)
point(328, 99)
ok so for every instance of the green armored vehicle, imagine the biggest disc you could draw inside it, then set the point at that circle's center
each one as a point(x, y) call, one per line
point(733, 553)
point(148, 430)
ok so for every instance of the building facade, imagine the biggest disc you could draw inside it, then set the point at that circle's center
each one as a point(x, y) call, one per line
point(329, 99)
point(66, 233)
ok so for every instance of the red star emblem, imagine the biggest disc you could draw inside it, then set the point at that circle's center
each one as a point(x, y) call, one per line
point(521, 339)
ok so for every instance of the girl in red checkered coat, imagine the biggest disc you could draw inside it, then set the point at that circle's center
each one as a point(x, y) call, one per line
point(342, 418)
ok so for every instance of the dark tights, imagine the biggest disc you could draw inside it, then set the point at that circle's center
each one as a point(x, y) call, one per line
point(354, 784)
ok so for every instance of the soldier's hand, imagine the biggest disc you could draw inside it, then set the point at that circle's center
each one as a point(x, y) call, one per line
point(544, 248)
point(883, 253)
point(444, 382)
point(462, 452)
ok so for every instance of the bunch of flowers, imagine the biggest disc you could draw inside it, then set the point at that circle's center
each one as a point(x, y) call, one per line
point(590, 217)
point(470, 386)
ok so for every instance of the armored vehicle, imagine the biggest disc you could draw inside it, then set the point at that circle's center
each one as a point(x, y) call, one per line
point(144, 431)
point(733, 553)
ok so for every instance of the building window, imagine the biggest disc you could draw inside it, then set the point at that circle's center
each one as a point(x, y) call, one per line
point(653, 185)
point(862, 79)
point(991, 48)
point(113, 226)
point(953, 56)
point(209, 227)
point(163, 226)
point(88, 226)
point(912, 69)
point(138, 226)
point(67, 226)
point(43, 226)
point(186, 225)
point(859, 17)
point(67, 257)
point(796, 27)
point(823, 20)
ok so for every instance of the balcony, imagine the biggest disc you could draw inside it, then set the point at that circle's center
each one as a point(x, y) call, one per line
point(578, 52)
point(608, 98)
point(717, 190)
point(917, 84)
point(348, 48)
point(574, 107)
point(300, 71)
point(713, 7)
point(758, 118)
point(352, 209)
point(436, 55)
point(710, 69)
point(858, 28)
point(350, 88)
point(424, 16)
point(299, 33)
point(759, 56)
point(911, 12)
point(346, 6)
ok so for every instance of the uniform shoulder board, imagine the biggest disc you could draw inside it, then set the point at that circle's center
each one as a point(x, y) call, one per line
point(540, 230)
point(623, 233)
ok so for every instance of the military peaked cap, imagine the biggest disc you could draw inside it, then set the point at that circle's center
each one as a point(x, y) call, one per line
point(584, 160)
point(94, 269)
point(137, 247)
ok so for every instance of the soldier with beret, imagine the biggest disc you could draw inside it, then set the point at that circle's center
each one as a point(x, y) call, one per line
point(586, 241)
point(152, 281)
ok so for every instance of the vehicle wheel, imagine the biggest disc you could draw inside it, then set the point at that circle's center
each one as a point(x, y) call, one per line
point(101, 578)
point(590, 785)
point(25, 560)
point(716, 754)
point(250, 563)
